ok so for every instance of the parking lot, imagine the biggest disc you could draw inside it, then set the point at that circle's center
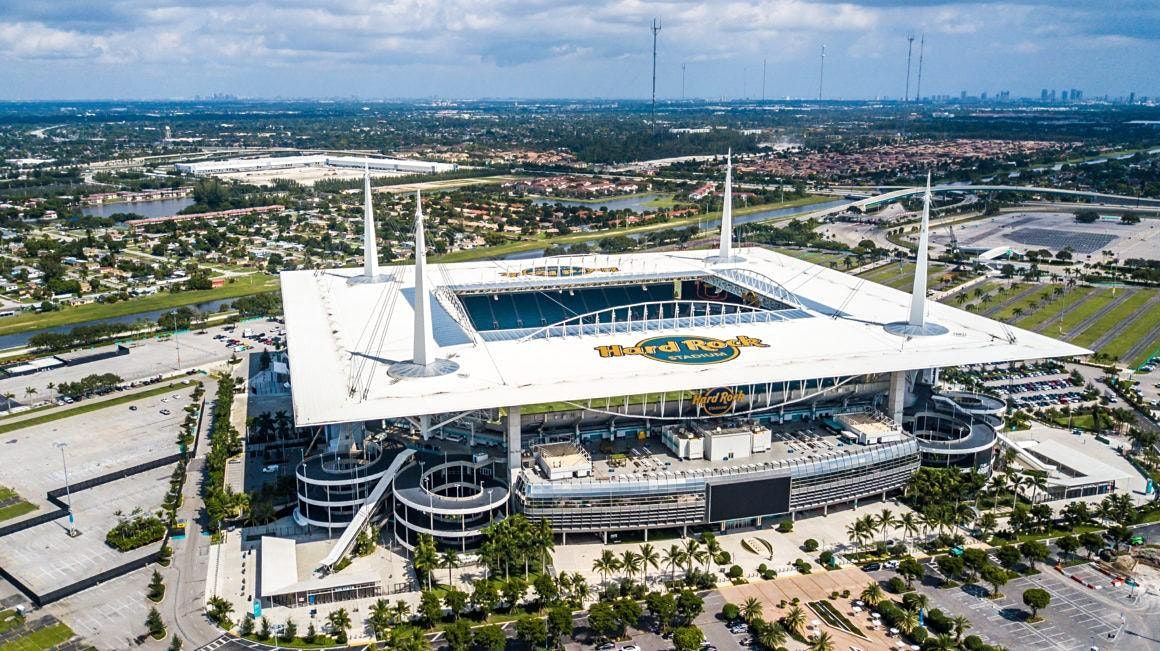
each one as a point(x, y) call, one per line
point(1033, 389)
point(45, 557)
point(1075, 620)
point(97, 442)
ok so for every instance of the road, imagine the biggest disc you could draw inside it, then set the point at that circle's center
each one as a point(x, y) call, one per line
point(184, 612)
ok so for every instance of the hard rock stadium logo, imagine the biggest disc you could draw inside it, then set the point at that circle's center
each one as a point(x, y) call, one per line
point(720, 400)
point(684, 350)
point(558, 272)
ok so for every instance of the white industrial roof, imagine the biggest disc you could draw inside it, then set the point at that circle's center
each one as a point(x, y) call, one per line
point(343, 335)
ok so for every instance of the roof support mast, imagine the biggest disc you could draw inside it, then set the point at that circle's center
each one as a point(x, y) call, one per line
point(726, 248)
point(918, 294)
point(370, 244)
point(424, 349)
point(916, 324)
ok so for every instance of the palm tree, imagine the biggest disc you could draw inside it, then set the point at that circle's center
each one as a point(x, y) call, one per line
point(340, 621)
point(857, 533)
point(768, 634)
point(751, 609)
point(402, 612)
point(908, 622)
point(606, 564)
point(821, 642)
point(631, 564)
point(28, 393)
point(794, 620)
point(580, 590)
point(1039, 485)
point(712, 548)
point(941, 643)
point(917, 601)
point(959, 624)
point(909, 524)
point(885, 521)
point(648, 558)
point(986, 524)
point(872, 594)
point(693, 554)
point(425, 558)
point(450, 561)
point(673, 558)
point(50, 386)
point(380, 618)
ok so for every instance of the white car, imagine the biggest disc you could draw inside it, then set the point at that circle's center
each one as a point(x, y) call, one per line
point(270, 468)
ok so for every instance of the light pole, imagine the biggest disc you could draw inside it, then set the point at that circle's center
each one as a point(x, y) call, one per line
point(176, 340)
point(73, 532)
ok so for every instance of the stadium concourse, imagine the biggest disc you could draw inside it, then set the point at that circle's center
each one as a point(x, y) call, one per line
point(637, 392)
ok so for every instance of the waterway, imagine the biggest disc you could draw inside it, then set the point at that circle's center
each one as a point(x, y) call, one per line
point(159, 208)
point(21, 338)
point(708, 224)
point(634, 203)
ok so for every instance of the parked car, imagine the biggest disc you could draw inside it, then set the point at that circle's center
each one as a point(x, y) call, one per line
point(270, 468)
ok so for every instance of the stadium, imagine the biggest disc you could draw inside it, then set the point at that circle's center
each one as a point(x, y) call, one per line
point(732, 387)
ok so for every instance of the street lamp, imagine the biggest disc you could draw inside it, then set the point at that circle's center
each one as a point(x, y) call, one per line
point(176, 340)
point(73, 532)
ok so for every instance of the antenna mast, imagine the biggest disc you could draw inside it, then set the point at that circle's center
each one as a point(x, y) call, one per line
point(763, 81)
point(909, 50)
point(822, 72)
point(656, 27)
point(921, 50)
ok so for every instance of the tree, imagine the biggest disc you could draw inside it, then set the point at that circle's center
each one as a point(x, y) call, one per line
point(1036, 598)
point(456, 601)
point(662, 606)
point(312, 634)
point(1092, 542)
point(884, 522)
point(960, 625)
point(751, 609)
point(688, 638)
point(689, 605)
point(872, 594)
point(156, 586)
point(821, 642)
point(1068, 544)
point(605, 564)
point(289, 631)
point(673, 558)
point(425, 558)
point(407, 638)
point(768, 634)
point(910, 569)
point(513, 591)
point(795, 619)
point(730, 612)
point(996, 576)
point(175, 643)
point(630, 563)
point(380, 619)
point(489, 638)
point(1034, 551)
point(154, 624)
point(950, 566)
point(430, 608)
point(546, 588)
point(986, 523)
point(458, 635)
point(449, 560)
point(264, 629)
point(648, 558)
point(628, 611)
point(1008, 556)
point(560, 622)
point(602, 619)
point(340, 622)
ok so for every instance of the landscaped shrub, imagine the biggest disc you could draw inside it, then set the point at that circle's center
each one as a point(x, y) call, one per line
point(131, 533)
point(810, 545)
point(785, 526)
point(896, 585)
point(735, 572)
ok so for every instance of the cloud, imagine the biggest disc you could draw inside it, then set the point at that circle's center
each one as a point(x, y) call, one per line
point(518, 41)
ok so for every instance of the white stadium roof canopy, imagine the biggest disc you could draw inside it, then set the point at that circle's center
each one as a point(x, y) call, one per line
point(338, 330)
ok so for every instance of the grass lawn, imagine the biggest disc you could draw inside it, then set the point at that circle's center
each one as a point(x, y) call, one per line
point(320, 642)
point(1050, 312)
point(45, 638)
point(254, 284)
point(1110, 320)
point(1101, 296)
point(903, 278)
point(1007, 314)
point(1153, 348)
point(8, 620)
point(93, 406)
point(1079, 421)
point(16, 510)
point(987, 286)
point(817, 256)
point(540, 240)
point(1140, 325)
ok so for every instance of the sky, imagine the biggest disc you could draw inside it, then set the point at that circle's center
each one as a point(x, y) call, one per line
point(458, 49)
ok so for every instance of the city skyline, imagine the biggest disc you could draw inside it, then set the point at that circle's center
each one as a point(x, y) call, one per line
point(304, 48)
